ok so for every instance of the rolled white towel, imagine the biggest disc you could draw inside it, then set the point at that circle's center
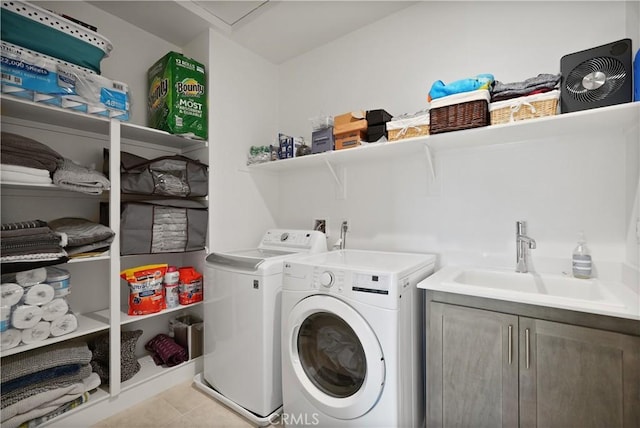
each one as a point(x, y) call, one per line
point(10, 338)
point(31, 277)
point(54, 309)
point(5, 317)
point(25, 316)
point(39, 294)
point(64, 325)
point(37, 333)
point(10, 294)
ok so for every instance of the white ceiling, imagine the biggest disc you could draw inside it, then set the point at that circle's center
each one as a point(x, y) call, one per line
point(274, 29)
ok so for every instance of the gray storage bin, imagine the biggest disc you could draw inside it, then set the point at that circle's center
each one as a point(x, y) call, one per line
point(162, 226)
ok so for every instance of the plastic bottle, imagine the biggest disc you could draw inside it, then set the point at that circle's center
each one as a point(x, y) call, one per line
point(171, 287)
point(581, 260)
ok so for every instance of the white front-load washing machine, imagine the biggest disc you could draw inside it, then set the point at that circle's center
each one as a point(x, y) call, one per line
point(242, 310)
point(352, 353)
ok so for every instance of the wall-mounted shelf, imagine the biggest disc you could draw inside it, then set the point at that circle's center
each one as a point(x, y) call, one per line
point(622, 116)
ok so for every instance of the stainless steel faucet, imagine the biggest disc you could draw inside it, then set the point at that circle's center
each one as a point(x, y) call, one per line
point(343, 235)
point(342, 242)
point(523, 244)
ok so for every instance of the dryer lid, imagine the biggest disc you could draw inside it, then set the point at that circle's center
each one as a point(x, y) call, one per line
point(249, 259)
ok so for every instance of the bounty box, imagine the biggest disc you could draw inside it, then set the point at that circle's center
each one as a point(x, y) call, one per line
point(177, 96)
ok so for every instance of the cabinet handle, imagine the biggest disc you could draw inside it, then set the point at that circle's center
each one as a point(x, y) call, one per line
point(527, 348)
point(510, 343)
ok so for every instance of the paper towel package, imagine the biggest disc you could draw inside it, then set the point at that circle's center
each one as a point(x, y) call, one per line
point(177, 101)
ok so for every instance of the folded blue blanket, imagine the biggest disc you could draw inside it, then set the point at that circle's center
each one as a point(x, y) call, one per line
point(40, 376)
point(440, 89)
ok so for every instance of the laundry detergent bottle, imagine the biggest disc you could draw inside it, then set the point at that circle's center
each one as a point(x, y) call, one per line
point(581, 260)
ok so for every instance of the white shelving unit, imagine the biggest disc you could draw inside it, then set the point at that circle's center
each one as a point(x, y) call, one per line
point(112, 317)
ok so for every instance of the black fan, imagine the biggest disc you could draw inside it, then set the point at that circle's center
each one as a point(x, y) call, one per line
point(597, 77)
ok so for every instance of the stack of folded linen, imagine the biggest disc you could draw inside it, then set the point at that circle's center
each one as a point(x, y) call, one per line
point(25, 160)
point(28, 161)
point(29, 244)
point(44, 380)
point(534, 85)
point(84, 237)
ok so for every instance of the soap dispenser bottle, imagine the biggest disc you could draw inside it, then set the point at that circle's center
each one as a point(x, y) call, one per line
point(581, 260)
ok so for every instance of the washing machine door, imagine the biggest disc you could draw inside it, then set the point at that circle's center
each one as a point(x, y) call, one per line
point(336, 356)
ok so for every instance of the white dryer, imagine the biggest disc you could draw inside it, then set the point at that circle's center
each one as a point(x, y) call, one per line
point(242, 310)
point(352, 352)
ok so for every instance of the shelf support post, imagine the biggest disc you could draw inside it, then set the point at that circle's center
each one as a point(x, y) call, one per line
point(429, 157)
point(114, 261)
point(341, 190)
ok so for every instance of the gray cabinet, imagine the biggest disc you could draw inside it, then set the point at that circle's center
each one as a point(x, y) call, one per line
point(493, 369)
point(573, 376)
point(471, 379)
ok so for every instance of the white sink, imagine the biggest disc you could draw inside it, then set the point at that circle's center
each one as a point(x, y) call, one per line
point(550, 285)
point(585, 295)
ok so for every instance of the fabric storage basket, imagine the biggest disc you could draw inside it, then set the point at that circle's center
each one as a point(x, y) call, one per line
point(177, 176)
point(32, 27)
point(460, 111)
point(408, 127)
point(522, 108)
point(162, 226)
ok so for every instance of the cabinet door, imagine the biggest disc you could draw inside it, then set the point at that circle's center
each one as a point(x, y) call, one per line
point(577, 377)
point(472, 371)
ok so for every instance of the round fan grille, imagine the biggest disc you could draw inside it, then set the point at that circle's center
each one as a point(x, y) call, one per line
point(595, 79)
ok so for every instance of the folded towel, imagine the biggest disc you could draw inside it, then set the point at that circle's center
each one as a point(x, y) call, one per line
point(45, 385)
point(440, 89)
point(24, 410)
point(34, 360)
point(22, 174)
point(41, 376)
point(165, 350)
point(503, 91)
point(72, 176)
point(23, 151)
point(47, 398)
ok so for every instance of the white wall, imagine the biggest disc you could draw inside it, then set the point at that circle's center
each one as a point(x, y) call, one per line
point(243, 112)
point(560, 185)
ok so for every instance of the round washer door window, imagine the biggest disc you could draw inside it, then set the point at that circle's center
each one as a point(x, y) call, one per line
point(336, 357)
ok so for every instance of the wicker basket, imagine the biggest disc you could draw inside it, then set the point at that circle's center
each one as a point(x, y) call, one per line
point(522, 108)
point(408, 127)
point(446, 114)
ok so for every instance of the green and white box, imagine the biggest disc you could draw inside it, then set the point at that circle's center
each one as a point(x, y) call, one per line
point(178, 96)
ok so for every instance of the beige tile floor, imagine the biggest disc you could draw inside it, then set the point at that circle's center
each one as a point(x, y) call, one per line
point(182, 406)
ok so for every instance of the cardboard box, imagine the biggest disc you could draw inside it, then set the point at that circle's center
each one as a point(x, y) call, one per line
point(346, 118)
point(177, 96)
point(322, 140)
point(378, 117)
point(349, 139)
point(358, 125)
point(188, 332)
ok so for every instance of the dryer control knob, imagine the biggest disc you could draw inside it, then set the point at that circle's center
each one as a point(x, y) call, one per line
point(326, 279)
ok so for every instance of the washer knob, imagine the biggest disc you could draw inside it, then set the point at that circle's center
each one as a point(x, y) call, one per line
point(326, 279)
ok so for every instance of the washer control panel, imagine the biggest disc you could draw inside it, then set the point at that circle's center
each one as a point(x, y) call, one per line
point(337, 280)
